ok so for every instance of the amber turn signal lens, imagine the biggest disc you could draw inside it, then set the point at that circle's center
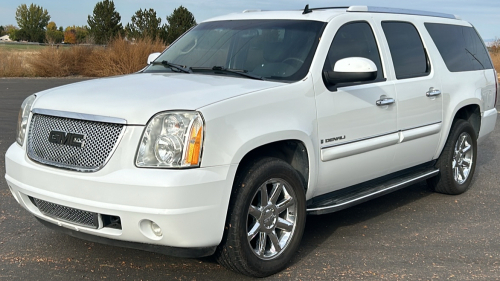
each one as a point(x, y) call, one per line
point(194, 143)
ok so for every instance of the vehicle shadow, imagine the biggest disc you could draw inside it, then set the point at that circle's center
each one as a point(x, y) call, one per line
point(321, 228)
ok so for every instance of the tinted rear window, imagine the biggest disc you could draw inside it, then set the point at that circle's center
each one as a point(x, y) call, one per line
point(460, 47)
point(407, 51)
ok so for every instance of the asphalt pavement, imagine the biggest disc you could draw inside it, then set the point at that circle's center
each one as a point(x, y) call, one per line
point(411, 234)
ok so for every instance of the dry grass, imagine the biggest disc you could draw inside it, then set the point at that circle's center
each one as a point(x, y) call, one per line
point(496, 60)
point(55, 62)
point(14, 63)
point(119, 57)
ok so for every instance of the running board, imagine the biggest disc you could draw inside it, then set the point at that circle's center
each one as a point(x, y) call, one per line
point(351, 196)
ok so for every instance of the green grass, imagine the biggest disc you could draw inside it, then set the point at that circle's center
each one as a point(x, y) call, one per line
point(20, 47)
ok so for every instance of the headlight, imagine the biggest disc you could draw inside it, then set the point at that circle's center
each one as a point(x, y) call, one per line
point(172, 140)
point(22, 121)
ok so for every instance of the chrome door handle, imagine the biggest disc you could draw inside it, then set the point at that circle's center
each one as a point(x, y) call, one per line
point(433, 92)
point(385, 101)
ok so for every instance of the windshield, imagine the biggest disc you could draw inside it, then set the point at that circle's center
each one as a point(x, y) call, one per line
point(271, 49)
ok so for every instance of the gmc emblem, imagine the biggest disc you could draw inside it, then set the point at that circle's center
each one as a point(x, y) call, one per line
point(76, 140)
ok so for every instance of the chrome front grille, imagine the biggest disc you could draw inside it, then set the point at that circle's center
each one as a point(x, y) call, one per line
point(71, 215)
point(100, 139)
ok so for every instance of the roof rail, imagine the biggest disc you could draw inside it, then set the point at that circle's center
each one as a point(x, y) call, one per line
point(252, 11)
point(400, 11)
point(328, 8)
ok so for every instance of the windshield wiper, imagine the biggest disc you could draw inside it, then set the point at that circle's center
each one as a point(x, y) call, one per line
point(173, 66)
point(474, 57)
point(220, 69)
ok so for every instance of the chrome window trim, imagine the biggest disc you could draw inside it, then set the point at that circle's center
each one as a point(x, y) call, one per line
point(79, 116)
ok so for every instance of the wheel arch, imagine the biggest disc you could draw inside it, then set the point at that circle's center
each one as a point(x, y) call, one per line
point(468, 110)
point(472, 114)
point(295, 151)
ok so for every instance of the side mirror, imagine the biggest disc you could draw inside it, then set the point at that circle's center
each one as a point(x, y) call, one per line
point(348, 70)
point(152, 57)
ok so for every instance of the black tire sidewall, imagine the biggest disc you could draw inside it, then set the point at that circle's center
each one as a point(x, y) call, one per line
point(445, 161)
point(261, 172)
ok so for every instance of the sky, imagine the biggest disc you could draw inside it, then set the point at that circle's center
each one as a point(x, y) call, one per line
point(483, 14)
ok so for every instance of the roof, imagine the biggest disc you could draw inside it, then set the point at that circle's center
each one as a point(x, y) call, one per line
point(325, 14)
point(318, 15)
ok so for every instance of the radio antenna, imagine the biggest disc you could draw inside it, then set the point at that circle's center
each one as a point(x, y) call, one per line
point(307, 10)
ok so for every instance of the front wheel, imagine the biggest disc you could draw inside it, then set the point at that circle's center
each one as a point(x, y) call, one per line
point(266, 219)
point(457, 162)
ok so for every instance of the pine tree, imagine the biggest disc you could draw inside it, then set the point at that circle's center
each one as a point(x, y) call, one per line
point(179, 22)
point(144, 24)
point(104, 24)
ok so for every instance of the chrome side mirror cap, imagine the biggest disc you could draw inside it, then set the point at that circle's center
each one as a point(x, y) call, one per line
point(353, 69)
point(152, 57)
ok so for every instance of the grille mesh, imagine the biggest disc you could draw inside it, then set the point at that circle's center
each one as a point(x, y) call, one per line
point(67, 214)
point(100, 140)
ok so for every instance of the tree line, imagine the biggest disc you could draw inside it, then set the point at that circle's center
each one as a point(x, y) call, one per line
point(104, 24)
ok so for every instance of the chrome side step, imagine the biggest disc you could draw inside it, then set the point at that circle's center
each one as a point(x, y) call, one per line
point(343, 199)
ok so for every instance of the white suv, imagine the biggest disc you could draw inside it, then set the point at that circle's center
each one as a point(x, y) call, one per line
point(251, 121)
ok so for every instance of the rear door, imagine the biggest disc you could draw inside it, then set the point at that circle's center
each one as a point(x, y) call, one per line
point(418, 90)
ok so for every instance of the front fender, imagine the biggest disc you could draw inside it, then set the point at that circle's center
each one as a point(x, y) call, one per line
point(238, 125)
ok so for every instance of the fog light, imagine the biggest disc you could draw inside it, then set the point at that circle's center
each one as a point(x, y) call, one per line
point(156, 229)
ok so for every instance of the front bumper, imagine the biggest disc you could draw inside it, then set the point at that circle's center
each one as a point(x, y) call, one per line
point(189, 205)
point(166, 250)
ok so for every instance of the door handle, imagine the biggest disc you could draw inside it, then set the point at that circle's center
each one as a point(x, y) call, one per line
point(433, 92)
point(385, 101)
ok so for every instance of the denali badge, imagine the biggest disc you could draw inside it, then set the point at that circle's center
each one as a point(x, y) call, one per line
point(71, 139)
point(335, 139)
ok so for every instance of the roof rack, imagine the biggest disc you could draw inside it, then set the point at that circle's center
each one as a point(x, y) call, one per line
point(328, 8)
point(372, 9)
point(400, 11)
point(252, 11)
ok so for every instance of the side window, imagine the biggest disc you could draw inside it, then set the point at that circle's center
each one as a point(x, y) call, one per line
point(460, 47)
point(407, 51)
point(354, 39)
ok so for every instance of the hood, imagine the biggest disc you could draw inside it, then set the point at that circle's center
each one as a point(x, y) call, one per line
point(137, 97)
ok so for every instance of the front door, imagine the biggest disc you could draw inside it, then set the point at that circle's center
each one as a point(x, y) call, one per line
point(357, 137)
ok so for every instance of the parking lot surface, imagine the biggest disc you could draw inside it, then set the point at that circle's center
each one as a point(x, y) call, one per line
point(411, 234)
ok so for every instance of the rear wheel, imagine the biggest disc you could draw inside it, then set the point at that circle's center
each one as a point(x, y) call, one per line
point(457, 162)
point(266, 219)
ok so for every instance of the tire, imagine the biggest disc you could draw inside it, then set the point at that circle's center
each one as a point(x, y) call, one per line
point(457, 161)
point(260, 239)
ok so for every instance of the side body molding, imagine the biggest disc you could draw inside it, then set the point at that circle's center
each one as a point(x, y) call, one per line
point(364, 145)
point(420, 132)
point(357, 147)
